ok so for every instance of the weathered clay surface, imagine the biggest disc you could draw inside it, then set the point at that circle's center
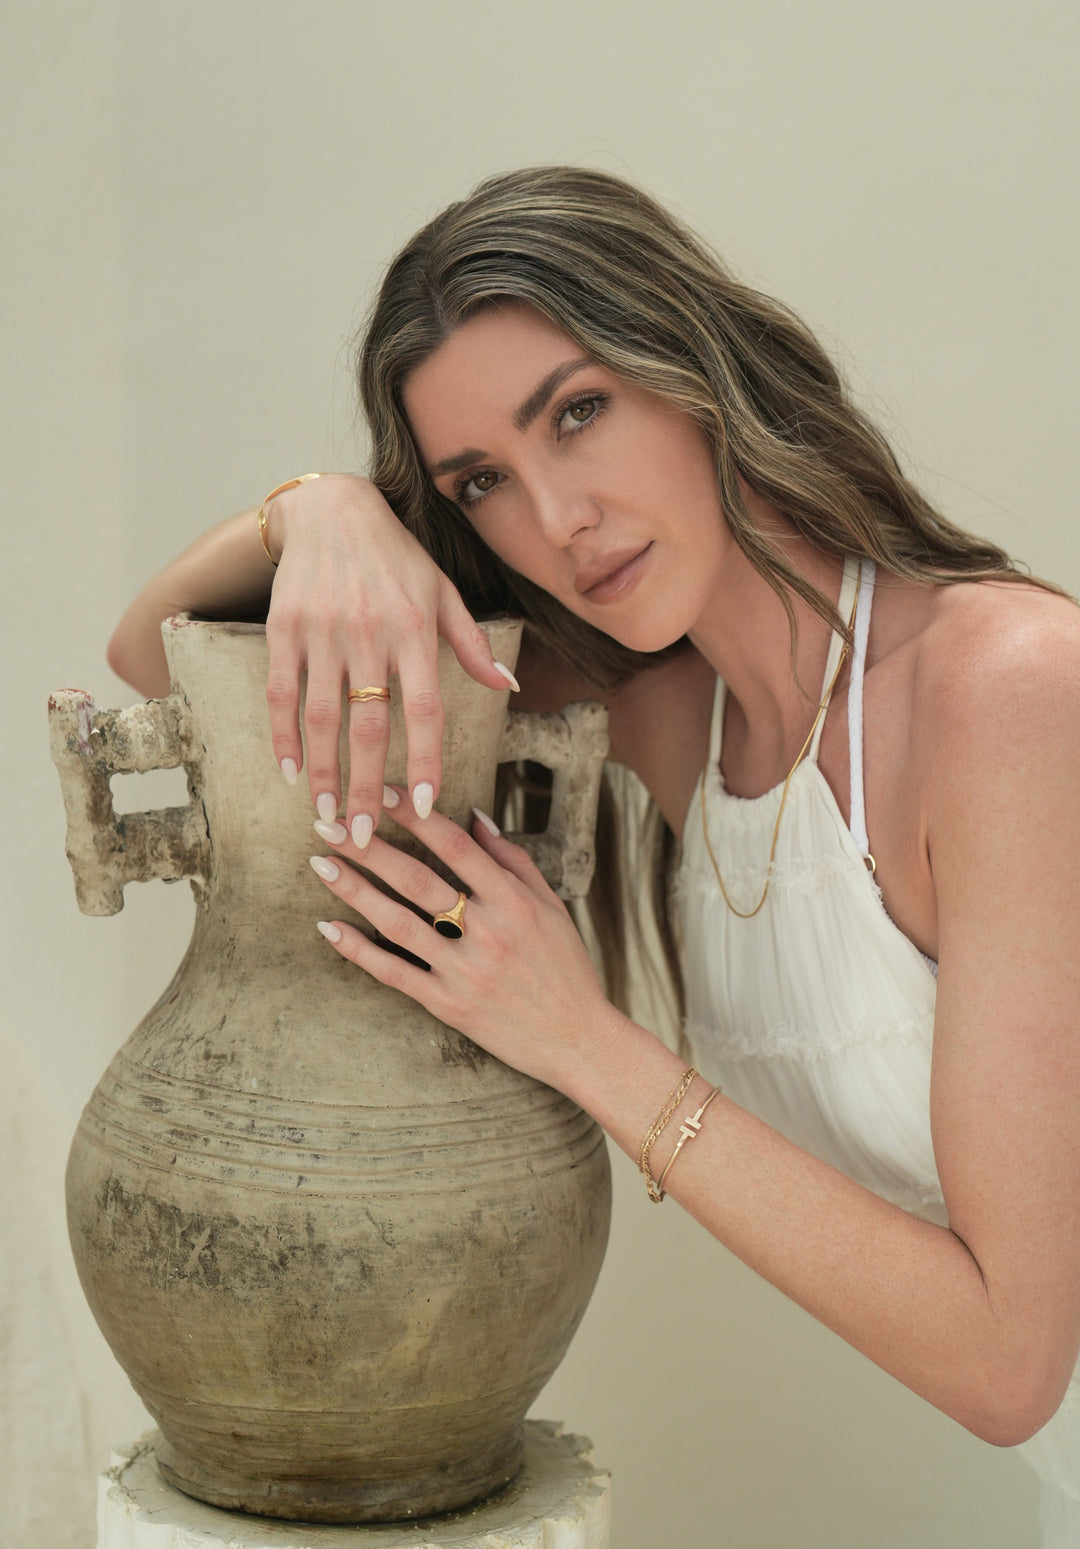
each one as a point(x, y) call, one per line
point(337, 1248)
point(107, 851)
point(559, 1499)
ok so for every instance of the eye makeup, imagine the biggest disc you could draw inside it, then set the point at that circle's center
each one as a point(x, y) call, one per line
point(579, 400)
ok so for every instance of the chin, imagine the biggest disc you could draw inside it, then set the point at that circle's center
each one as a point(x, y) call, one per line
point(648, 636)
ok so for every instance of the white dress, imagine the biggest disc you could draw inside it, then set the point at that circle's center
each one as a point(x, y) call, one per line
point(817, 1014)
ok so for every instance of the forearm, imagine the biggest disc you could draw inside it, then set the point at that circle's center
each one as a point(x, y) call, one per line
point(225, 572)
point(907, 1293)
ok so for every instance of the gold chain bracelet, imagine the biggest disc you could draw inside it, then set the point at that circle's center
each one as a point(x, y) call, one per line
point(658, 1128)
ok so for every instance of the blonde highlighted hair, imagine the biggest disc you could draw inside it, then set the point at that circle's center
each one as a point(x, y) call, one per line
point(644, 297)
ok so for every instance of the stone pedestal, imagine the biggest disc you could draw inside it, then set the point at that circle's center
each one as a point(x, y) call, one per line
point(558, 1500)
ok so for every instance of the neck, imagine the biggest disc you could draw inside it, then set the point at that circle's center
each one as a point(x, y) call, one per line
point(743, 633)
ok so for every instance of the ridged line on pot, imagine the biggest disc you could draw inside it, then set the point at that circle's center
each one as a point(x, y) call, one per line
point(198, 1132)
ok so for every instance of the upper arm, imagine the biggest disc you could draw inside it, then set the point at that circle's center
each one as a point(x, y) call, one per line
point(1003, 827)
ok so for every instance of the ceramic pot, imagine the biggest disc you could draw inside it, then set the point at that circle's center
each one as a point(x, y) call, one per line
point(337, 1247)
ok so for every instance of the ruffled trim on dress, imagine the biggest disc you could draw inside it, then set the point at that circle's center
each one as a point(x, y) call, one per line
point(802, 875)
point(785, 1040)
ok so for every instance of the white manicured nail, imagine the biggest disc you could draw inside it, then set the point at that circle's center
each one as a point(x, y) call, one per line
point(486, 822)
point(362, 830)
point(390, 797)
point(289, 770)
point(333, 833)
point(509, 676)
point(327, 806)
point(423, 798)
point(331, 932)
point(326, 869)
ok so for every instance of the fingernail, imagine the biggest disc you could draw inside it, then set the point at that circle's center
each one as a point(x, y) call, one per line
point(327, 806)
point(289, 770)
point(423, 798)
point(333, 833)
point(362, 830)
point(486, 822)
point(509, 676)
point(326, 869)
point(331, 932)
point(390, 797)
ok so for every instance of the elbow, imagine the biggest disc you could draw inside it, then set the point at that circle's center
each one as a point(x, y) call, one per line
point(1017, 1408)
point(1012, 1429)
point(114, 655)
point(119, 660)
point(148, 679)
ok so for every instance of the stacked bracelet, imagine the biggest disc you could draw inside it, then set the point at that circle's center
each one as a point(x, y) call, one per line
point(658, 1128)
point(279, 490)
point(688, 1129)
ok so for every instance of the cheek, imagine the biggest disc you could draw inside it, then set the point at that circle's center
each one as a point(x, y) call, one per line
point(498, 537)
point(509, 537)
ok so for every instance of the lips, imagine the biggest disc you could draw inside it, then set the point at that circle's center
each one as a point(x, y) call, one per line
point(603, 569)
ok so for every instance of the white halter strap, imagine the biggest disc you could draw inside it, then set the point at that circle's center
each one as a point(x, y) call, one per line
point(843, 607)
point(855, 709)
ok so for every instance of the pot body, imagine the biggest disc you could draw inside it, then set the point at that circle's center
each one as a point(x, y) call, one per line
point(337, 1247)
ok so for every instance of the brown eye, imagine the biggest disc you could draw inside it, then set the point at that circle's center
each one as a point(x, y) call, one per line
point(477, 487)
point(582, 412)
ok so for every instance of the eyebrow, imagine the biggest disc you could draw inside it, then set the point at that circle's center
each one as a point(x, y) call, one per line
point(523, 415)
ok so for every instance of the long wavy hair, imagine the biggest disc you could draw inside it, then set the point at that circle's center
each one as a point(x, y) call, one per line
point(644, 297)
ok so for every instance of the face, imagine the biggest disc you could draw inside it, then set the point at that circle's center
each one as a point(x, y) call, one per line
point(591, 487)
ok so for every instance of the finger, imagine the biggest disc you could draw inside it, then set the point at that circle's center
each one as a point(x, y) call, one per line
point(369, 740)
point(408, 877)
point(283, 703)
point(469, 642)
point(418, 675)
point(479, 871)
point(391, 919)
point(510, 856)
point(387, 967)
point(322, 725)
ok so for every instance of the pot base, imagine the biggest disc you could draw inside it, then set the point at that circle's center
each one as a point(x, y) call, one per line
point(559, 1495)
point(333, 1494)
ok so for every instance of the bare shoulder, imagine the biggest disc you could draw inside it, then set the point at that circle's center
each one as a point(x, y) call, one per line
point(972, 733)
point(995, 726)
point(998, 660)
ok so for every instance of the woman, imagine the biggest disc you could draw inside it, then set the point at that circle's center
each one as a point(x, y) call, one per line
point(578, 415)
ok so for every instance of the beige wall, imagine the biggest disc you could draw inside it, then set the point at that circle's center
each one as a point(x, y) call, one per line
point(199, 198)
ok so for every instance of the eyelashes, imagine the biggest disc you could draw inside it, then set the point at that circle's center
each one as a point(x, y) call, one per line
point(599, 401)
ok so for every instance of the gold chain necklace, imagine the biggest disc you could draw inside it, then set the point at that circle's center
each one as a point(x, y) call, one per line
point(748, 914)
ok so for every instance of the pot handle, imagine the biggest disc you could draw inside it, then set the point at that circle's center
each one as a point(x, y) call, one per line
point(107, 850)
point(573, 743)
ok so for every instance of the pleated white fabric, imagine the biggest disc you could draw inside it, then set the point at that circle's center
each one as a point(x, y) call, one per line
point(817, 1014)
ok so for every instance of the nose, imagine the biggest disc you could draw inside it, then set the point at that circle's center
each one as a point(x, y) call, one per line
point(563, 509)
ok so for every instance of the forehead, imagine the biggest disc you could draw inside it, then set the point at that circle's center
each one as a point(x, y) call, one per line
point(476, 379)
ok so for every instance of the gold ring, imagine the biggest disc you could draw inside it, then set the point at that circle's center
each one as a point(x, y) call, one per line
point(451, 922)
point(360, 696)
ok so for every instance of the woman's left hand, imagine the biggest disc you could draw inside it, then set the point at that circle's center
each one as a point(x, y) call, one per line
point(519, 982)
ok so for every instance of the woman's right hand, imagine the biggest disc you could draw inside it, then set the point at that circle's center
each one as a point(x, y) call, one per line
point(356, 599)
